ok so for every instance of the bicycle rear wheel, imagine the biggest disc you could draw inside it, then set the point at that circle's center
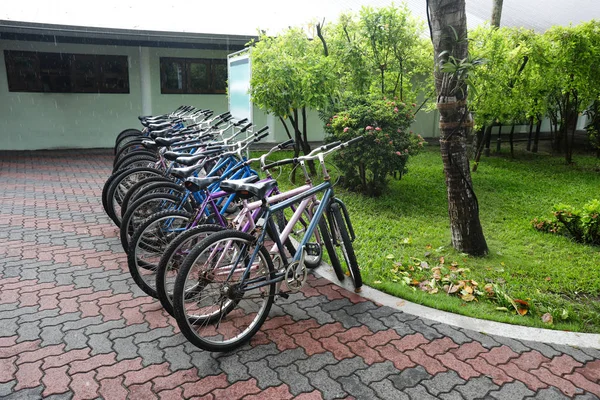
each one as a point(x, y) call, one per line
point(213, 309)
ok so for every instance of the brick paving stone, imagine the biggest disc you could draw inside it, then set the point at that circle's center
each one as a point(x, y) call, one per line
point(451, 396)
point(112, 388)
point(502, 355)
point(233, 368)
point(511, 391)
point(453, 333)
point(591, 370)
point(546, 350)
point(376, 372)
point(561, 365)
point(418, 393)
point(497, 375)
point(265, 376)
point(386, 390)
point(486, 341)
point(427, 331)
point(281, 392)
point(574, 352)
point(442, 382)
point(286, 357)
point(476, 388)
point(56, 381)
point(356, 388)
point(125, 348)
point(315, 362)
point(409, 377)
point(7, 388)
point(346, 367)
point(32, 393)
point(463, 369)
point(177, 357)
point(348, 321)
point(549, 394)
point(297, 382)
point(8, 369)
point(99, 344)
point(75, 340)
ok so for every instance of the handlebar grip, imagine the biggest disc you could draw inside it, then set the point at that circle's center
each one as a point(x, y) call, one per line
point(263, 129)
point(331, 145)
point(240, 122)
point(286, 144)
point(223, 115)
point(245, 127)
point(260, 137)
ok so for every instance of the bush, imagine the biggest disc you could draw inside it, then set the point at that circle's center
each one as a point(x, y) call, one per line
point(387, 144)
point(581, 225)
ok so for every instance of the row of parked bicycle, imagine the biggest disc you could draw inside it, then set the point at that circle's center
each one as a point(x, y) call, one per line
point(210, 237)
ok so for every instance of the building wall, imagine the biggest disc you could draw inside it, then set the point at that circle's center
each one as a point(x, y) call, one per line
point(30, 121)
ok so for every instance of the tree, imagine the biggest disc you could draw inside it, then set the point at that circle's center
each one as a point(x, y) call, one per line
point(497, 13)
point(449, 37)
point(381, 51)
point(289, 75)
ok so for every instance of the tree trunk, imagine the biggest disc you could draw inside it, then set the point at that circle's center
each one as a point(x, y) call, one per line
point(499, 140)
point(448, 17)
point(510, 138)
point(530, 132)
point(486, 135)
point(536, 138)
point(497, 13)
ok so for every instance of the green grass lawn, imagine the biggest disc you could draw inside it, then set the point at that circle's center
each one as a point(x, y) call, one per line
point(551, 273)
point(409, 224)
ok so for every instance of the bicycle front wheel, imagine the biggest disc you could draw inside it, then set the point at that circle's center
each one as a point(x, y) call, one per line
point(215, 309)
point(345, 244)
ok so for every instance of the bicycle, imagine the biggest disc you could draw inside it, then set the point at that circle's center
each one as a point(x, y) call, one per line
point(227, 284)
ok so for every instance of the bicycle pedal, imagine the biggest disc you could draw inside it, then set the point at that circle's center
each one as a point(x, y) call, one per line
point(285, 295)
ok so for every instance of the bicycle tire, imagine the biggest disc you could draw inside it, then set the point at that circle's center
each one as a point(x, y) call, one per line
point(142, 209)
point(328, 243)
point(131, 147)
point(345, 244)
point(131, 194)
point(119, 187)
point(124, 141)
point(195, 318)
point(164, 185)
point(147, 246)
point(173, 257)
point(127, 132)
point(131, 160)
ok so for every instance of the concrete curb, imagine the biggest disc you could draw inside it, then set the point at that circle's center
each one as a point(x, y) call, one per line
point(575, 339)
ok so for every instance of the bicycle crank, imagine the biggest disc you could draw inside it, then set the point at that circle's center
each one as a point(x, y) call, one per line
point(296, 273)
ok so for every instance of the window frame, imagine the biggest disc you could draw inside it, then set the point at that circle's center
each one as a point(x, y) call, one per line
point(67, 70)
point(187, 79)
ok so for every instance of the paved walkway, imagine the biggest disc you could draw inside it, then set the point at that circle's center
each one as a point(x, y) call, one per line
point(74, 325)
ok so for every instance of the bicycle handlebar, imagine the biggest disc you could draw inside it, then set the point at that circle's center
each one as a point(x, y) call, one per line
point(321, 151)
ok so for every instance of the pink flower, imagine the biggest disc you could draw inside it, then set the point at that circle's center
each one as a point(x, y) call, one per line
point(368, 128)
point(378, 129)
point(391, 142)
point(335, 116)
point(399, 130)
point(414, 105)
point(328, 124)
point(395, 109)
point(346, 129)
point(398, 153)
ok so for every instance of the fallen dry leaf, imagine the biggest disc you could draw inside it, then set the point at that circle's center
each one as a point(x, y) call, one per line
point(547, 318)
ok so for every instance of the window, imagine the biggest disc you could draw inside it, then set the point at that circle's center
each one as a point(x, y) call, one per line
point(29, 71)
point(192, 75)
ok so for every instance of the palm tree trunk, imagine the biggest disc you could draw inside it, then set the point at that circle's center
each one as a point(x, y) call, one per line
point(448, 20)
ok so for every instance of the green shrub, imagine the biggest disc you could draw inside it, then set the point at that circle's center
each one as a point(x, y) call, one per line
point(581, 225)
point(387, 144)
